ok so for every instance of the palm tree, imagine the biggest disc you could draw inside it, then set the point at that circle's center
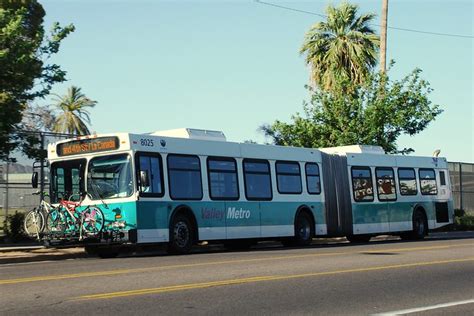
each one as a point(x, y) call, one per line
point(73, 116)
point(342, 47)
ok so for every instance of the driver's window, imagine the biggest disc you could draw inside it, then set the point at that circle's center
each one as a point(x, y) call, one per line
point(152, 166)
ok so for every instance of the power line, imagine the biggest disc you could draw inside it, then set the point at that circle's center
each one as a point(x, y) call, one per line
point(290, 9)
point(390, 27)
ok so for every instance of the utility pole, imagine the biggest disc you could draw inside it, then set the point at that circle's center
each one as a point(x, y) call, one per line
point(383, 37)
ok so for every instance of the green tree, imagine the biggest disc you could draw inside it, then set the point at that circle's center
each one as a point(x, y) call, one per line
point(25, 73)
point(73, 116)
point(364, 116)
point(343, 47)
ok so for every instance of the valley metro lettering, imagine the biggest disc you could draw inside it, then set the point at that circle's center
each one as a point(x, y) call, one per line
point(233, 213)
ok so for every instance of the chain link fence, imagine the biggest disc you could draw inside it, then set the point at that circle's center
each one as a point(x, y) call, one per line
point(462, 180)
point(16, 193)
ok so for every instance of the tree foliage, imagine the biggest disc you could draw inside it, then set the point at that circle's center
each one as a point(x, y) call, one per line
point(73, 116)
point(376, 113)
point(344, 47)
point(25, 73)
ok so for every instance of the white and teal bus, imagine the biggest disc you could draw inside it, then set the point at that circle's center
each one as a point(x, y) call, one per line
point(186, 186)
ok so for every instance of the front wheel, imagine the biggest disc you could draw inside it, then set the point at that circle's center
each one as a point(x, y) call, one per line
point(181, 235)
point(92, 222)
point(34, 223)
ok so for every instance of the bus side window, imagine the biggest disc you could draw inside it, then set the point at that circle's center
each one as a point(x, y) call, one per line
point(184, 173)
point(407, 181)
point(258, 183)
point(442, 178)
point(385, 184)
point(222, 175)
point(362, 184)
point(152, 165)
point(428, 182)
point(288, 176)
point(313, 179)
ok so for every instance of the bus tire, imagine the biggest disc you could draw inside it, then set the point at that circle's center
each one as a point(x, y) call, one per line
point(304, 229)
point(420, 227)
point(181, 235)
point(357, 239)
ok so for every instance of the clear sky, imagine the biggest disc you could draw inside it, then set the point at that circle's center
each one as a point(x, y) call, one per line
point(234, 65)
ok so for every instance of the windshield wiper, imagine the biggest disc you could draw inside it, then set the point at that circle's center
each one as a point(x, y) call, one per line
point(96, 192)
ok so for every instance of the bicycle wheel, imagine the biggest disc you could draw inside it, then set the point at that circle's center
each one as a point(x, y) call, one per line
point(55, 222)
point(34, 223)
point(92, 222)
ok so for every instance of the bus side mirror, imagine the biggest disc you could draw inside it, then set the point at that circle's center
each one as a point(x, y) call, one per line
point(144, 182)
point(34, 180)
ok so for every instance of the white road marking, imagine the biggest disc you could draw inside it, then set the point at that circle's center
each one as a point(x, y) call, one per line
point(425, 308)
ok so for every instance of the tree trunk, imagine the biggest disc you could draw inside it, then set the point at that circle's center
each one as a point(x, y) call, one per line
point(383, 36)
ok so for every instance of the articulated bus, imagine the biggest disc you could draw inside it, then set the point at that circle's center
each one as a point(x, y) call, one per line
point(186, 186)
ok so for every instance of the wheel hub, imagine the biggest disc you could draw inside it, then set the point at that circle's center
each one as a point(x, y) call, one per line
point(181, 234)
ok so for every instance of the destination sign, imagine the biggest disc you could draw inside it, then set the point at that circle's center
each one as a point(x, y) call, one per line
point(85, 146)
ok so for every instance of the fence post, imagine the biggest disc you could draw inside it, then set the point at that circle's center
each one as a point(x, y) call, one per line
point(42, 168)
point(461, 206)
point(5, 200)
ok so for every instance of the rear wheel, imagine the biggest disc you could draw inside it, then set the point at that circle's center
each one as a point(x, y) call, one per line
point(181, 235)
point(304, 231)
point(34, 223)
point(420, 227)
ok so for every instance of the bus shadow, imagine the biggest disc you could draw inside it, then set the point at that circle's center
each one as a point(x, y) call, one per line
point(275, 246)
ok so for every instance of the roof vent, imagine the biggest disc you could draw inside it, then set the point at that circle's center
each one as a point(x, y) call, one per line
point(354, 149)
point(192, 133)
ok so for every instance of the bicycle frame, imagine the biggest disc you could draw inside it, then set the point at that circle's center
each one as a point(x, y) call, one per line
point(38, 216)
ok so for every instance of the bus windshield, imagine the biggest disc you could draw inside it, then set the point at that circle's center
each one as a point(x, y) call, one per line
point(110, 177)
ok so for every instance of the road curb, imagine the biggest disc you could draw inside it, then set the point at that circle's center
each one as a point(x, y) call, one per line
point(43, 257)
point(20, 248)
point(22, 254)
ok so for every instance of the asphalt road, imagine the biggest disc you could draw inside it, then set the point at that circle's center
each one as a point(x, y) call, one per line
point(378, 277)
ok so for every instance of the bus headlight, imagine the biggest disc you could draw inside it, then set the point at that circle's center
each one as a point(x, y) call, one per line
point(119, 224)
